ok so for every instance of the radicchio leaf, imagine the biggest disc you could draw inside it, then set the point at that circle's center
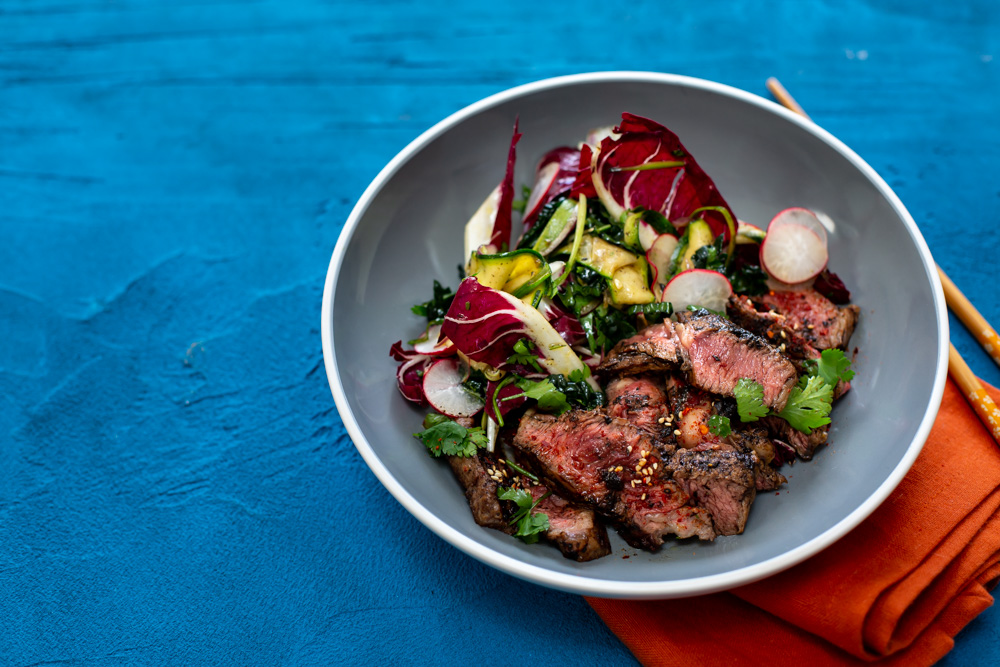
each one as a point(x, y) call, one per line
point(500, 238)
point(498, 394)
point(584, 183)
point(675, 191)
point(485, 324)
point(832, 287)
point(409, 375)
point(563, 322)
point(548, 185)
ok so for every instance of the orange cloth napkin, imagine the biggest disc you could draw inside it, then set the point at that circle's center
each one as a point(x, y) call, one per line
point(895, 590)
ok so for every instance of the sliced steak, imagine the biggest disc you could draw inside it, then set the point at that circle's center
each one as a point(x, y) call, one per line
point(780, 329)
point(617, 468)
point(641, 401)
point(480, 476)
point(721, 481)
point(804, 445)
point(822, 323)
point(575, 530)
point(572, 528)
point(692, 409)
point(655, 349)
point(714, 352)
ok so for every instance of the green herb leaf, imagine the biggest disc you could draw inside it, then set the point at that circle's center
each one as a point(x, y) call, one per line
point(832, 366)
point(808, 405)
point(524, 355)
point(529, 526)
point(719, 425)
point(749, 400)
point(435, 309)
point(442, 435)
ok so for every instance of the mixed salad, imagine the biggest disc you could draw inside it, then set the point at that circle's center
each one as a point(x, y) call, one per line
point(619, 233)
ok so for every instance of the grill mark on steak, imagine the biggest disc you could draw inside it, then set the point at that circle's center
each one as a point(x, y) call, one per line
point(714, 352)
point(721, 481)
point(607, 463)
point(822, 323)
point(574, 530)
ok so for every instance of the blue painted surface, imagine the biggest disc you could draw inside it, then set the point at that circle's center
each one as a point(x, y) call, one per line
point(175, 484)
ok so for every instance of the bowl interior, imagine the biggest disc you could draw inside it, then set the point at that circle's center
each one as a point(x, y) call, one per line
point(410, 233)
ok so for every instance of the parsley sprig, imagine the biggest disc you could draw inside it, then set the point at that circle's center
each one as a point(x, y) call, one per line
point(530, 525)
point(442, 435)
point(719, 425)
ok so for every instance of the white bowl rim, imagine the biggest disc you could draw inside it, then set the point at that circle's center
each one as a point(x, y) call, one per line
point(581, 583)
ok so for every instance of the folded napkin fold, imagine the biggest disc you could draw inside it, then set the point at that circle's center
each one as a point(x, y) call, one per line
point(895, 590)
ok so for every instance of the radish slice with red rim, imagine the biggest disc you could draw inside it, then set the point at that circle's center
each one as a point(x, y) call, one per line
point(698, 287)
point(794, 250)
point(659, 255)
point(444, 391)
point(647, 235)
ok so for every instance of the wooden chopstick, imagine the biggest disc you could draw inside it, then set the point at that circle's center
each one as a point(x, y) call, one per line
point(973, 321)
point(967, 381)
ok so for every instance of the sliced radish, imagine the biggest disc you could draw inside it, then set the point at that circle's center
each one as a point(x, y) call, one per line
point(543, 181)
point(659, 255)
point(444, 391)
point(698, 287)
point(431, 345)
point(794, 249)
point(647, 234)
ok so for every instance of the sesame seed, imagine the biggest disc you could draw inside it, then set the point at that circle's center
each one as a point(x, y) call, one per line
point(638, 468)
point(783, 334)
point(619, 469)
point(661, 420)
point(782, 347)
point(646, 480)
point(809, 326)
point(501, 461)
point(643, 497)
point(655, 465)
point(630, 449)
point(633, 483)
point(642, 461)
point(677, 432)
point(648, 471)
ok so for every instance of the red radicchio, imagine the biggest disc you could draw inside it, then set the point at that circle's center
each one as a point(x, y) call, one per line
point(409, 375)
point(556, 173)
point(832, 287)
point(500, 238)
point(584, 183)
point(564, 322)
point(485, 324)
point(675, 191)
point(502, 399)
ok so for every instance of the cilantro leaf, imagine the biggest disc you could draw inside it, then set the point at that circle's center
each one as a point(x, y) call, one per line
point(529, 526)
point(832, 366)
point(719, 425)
point(749, 400)
point(808, 405)
point(435, 309)
point(442, 435)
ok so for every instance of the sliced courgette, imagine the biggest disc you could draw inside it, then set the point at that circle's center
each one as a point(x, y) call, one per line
point(518, 272)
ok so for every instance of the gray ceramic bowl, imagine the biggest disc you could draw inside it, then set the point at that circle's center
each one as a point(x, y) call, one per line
point(407, 230)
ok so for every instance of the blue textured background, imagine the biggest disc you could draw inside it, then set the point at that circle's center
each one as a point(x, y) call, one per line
point(175, 484)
